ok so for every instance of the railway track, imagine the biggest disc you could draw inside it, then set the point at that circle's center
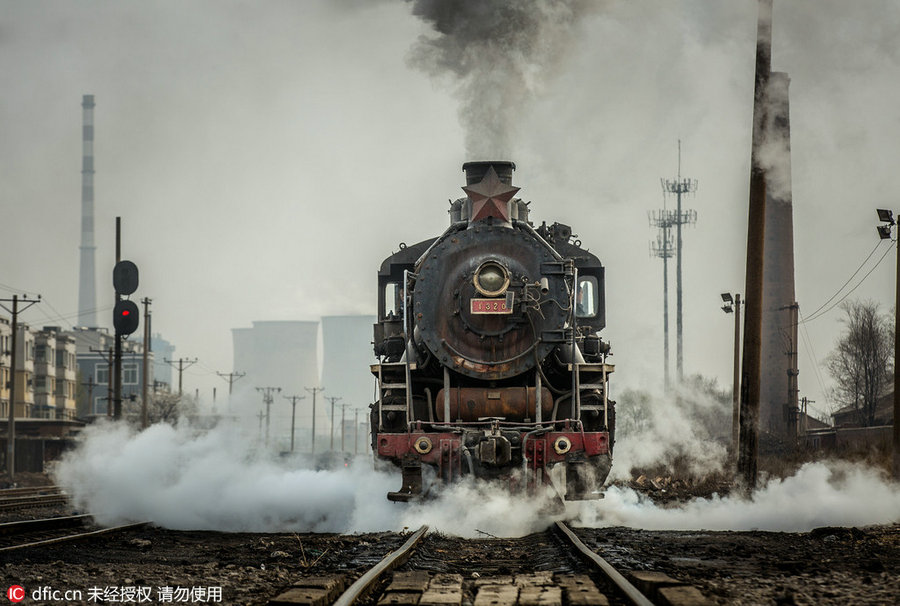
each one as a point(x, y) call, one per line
point(549, 568)
point(37, 533)
point(26, 498)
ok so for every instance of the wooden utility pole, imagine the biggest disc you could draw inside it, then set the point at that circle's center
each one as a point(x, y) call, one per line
point(293, 400)
point(344, 407)
point(356, 430)
point(181, 366)
point(13, 369)
point(313, 391)
point(332, 399)
point(232, 377)
point(753, 289)
point(267, 399)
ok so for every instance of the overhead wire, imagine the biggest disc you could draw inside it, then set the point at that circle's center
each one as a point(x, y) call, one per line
point(820, 312)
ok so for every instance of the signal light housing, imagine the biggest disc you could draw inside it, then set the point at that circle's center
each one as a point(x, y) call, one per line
point(126, 317)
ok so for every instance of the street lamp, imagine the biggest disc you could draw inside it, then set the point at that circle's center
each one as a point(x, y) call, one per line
point(733, 305)
point(884, 232)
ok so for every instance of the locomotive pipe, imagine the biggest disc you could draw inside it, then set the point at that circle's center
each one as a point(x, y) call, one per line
point(545, 286)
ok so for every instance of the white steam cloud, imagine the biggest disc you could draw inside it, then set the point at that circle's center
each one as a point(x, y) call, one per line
point(820, 494)
point(689, 424)
point(182, 478)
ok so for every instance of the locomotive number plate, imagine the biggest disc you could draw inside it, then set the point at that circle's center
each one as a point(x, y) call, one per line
point(489, 306)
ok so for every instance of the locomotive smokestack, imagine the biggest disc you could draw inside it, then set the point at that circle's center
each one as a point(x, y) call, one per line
point(475, 171)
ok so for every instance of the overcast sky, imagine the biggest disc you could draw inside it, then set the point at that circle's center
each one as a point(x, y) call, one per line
point(266, 156)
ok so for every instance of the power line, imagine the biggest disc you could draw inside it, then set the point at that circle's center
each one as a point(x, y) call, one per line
point(850, 292)
point(838, 291)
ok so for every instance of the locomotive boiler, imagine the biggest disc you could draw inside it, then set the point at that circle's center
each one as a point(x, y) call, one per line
point(490, 362)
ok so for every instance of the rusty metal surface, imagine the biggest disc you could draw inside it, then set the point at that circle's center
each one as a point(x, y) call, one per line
point(510, 403)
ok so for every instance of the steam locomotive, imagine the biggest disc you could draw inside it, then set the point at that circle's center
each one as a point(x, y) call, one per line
point(490, 362)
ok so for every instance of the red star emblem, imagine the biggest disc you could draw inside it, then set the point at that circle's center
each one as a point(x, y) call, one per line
point(491, 197)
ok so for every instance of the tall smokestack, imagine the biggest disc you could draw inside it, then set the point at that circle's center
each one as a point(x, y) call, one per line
point(778, 378)
point(87, 294)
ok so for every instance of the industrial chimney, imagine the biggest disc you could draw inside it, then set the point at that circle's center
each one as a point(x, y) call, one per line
point(778, 381)
point(87, 294)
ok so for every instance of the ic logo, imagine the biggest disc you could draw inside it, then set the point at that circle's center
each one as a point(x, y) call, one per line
point(15, 593)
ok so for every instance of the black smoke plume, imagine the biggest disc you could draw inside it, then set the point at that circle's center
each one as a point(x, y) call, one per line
point(499, 55)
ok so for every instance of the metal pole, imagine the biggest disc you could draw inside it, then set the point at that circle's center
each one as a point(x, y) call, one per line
point(736, 395)
point(11, 428)
point(145, 371)
point(666, 308)
point(751, 365)
point(896, 371)
point(117, 360)
point(679, 354)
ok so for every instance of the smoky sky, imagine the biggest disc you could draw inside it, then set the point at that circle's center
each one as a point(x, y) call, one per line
point(266, 157)
point(500, 54)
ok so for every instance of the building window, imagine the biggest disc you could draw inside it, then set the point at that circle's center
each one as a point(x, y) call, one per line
point(102, 374)
point(129, 373)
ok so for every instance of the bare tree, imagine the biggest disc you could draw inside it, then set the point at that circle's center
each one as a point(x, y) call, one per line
point(862, 361)
point(164, 407)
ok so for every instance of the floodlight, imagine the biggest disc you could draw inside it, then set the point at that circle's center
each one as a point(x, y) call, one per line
point(885, 215)
point(727, 309)
point(884, 232)
point(726, 296)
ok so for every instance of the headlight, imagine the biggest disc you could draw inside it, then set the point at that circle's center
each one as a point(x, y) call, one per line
point(491, 279)
point(562, 445)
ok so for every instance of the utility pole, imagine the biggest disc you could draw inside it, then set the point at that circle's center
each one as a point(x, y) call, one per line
point(356, 412)
point(734, 305)
point(313, 391)
point(884, 232)
point(332, 399)
point(261, 416)
point(90, 385)
point(13, 368)
point(792, 409)
point(145, 372)
point(232, 377)
point(756, 238)
point(293, 400)
point(181, 367)
point(268, 398)
point(343, 408)
point(679, 186)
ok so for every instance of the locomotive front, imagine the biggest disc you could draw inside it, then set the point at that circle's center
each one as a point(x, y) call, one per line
point(489, 359)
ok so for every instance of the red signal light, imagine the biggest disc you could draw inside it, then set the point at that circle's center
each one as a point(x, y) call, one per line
point(125, 312)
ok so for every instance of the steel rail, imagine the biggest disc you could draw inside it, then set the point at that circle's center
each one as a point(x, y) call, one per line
point(615, 577)
point(75, 537)
point(22, 502)
point(364, 583)
point(23, 526)
point(28, 490)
